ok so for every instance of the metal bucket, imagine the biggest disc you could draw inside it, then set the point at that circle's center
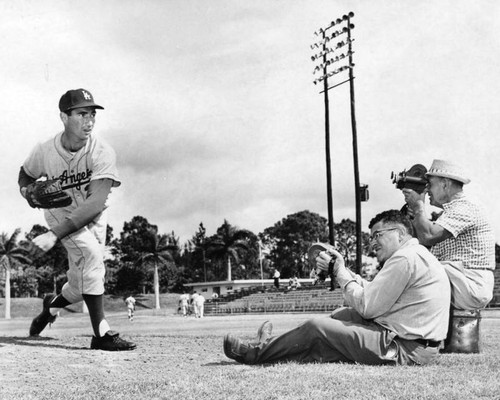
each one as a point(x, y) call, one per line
point(463, 333)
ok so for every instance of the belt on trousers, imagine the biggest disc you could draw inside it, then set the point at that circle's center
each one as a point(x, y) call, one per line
point(427, 343)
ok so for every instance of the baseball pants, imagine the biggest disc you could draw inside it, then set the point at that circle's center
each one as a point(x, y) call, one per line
point(86, 265)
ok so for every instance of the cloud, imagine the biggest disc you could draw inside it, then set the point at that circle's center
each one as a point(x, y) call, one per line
point(211, 108)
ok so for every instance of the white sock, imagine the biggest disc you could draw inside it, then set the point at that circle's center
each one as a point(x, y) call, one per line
point(103, 328)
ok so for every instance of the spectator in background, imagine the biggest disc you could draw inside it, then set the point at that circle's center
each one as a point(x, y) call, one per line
point(369, 268)
point(332, 281)
point(294, 283)
point(276, 278)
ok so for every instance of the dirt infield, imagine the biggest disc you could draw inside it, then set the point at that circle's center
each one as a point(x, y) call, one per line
point(60, 365)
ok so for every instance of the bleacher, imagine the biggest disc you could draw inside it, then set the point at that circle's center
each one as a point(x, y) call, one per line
point(308, 298)
point(495, 301)
point(270, 300)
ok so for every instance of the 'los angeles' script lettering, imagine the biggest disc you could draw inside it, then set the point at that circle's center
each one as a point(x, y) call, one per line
point(75, 180)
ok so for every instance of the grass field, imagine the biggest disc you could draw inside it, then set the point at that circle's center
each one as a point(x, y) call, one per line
point(182, 358)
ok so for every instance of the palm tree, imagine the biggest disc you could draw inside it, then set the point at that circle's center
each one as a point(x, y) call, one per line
point(227, 244)
point(10, 254)
point(157, 251)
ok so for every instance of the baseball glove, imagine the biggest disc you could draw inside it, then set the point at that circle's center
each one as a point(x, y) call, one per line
point(47, 194)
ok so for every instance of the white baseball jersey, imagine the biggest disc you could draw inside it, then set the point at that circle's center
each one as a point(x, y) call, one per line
point(96, 160)
point(184, 299)
point(199, 300)
point(130, 301)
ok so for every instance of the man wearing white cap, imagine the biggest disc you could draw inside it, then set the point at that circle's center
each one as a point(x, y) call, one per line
point(461, 238)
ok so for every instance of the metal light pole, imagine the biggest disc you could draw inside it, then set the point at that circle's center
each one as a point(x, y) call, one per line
point(329, 189)
point(357, 187)
point(332, 54)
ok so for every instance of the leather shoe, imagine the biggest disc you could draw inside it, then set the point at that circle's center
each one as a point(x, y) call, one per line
point(264, 333)
point(235, 349)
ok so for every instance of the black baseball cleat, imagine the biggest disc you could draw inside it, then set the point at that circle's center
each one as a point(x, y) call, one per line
point(111, 341)
point(41, 320)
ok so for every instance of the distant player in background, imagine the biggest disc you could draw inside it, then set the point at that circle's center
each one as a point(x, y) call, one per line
point(130, 302)
point(199, 305)
point(86, 167)
point(184, 303)
point(194, 295)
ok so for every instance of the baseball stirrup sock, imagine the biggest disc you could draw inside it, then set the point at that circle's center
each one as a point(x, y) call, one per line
point(95, 304)
point(57, 303)
point(103, 328)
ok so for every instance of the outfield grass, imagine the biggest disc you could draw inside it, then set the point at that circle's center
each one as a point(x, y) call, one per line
point(182, 358)
point(31, 306)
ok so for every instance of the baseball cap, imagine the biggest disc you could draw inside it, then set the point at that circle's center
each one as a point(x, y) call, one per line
point(77, 98)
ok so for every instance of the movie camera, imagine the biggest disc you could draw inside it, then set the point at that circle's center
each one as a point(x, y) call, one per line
point(414, 178)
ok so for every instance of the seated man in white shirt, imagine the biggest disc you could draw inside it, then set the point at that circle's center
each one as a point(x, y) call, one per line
point(400, 317)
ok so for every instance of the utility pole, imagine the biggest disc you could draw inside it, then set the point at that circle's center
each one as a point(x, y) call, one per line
point(357, 186)
point(329, 189)
point(335, 39)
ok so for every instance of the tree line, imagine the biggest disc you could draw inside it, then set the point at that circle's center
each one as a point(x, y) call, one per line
point(143, 260)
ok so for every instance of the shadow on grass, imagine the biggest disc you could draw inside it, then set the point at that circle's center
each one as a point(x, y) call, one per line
point(234, 363)
point(36, 341)
point(218, 364)
point(139, 304)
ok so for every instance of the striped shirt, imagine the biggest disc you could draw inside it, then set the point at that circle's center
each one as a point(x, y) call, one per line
point(473, 241)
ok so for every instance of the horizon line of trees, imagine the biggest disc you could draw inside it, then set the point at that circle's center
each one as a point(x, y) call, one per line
point(143, 260)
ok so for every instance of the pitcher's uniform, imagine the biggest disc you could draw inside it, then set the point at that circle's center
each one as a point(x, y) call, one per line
point(96, 160)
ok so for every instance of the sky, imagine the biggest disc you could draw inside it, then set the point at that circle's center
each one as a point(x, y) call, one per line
point(212, 111)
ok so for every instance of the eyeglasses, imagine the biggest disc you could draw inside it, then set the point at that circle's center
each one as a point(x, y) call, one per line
point(378, 233)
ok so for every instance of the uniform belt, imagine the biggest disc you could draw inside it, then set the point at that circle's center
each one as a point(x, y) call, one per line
point(427, 343)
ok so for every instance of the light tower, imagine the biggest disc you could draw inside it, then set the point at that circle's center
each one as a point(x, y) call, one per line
point(335, 55)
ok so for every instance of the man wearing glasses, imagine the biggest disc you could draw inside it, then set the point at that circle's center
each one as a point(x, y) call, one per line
point(461, 238)
point(400, 317)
